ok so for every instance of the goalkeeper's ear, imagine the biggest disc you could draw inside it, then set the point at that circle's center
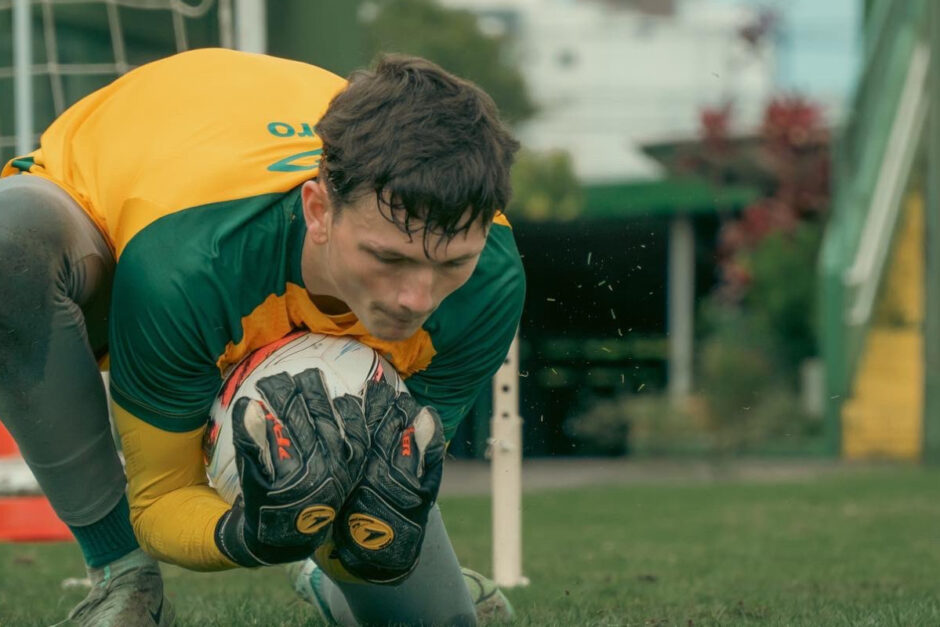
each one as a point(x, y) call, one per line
point(318, 211)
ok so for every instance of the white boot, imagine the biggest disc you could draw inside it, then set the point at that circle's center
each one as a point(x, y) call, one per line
point(128, 592)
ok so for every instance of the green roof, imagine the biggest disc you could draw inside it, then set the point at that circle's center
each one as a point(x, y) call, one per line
point(664, 198)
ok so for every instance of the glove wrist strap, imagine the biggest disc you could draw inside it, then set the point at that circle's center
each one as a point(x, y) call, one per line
point(230, 539)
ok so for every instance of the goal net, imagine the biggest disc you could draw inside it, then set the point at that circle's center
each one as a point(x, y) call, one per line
point(77, 46)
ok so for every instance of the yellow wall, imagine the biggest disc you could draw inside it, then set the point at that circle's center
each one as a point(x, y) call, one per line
point(884, 417)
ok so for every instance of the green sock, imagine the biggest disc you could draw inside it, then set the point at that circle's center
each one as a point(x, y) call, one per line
point(108, 539)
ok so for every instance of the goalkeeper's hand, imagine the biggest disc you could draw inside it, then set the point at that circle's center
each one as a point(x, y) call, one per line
point(378, 533)
point(298, 455)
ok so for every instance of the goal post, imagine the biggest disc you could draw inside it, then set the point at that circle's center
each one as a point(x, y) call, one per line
point(505, 452)
point(251, 28)
point(22, 78)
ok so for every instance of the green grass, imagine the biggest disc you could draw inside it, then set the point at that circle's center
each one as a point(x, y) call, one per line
point(855, 548)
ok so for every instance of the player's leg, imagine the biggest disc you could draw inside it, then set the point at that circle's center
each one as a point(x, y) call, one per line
point(434, 594)
point(438, 592)
point(490, 604)
point(55, 272)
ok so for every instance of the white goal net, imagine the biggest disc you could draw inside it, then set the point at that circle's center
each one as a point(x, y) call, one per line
point(76, 46)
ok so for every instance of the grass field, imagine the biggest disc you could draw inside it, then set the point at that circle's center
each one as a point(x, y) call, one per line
point(852, 548)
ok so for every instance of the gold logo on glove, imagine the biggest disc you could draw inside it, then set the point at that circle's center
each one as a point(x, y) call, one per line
point(315, 518)
point(370, 532)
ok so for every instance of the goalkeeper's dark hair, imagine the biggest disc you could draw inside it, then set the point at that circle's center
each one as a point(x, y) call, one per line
point(430, 145)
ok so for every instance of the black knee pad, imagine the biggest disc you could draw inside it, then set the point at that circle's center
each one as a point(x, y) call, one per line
point(33, 240)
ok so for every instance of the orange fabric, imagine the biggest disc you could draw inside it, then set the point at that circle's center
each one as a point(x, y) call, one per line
point(279, 315)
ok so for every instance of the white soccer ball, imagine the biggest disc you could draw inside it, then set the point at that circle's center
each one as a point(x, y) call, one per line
point(347, 366)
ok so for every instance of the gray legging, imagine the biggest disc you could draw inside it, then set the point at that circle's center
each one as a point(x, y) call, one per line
point(55, 283)
point(434, 594)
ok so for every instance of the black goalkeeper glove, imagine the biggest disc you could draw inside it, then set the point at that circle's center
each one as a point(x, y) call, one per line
point(298, 455)
point(378, 533)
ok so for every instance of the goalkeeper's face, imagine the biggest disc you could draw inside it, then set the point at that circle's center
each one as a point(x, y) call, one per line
point(391, 280)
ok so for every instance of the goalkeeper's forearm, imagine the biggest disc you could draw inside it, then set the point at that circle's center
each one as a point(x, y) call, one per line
point(173, 510)
point(179, 528)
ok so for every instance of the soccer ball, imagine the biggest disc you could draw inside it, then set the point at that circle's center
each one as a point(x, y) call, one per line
point(347, 366)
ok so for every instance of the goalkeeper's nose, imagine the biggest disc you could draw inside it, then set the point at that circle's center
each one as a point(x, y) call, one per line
point(416, 296)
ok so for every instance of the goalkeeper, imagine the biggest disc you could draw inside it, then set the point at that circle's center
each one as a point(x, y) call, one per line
point(205, 205)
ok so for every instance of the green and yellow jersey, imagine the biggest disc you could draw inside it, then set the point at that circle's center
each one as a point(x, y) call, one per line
point(191, 167)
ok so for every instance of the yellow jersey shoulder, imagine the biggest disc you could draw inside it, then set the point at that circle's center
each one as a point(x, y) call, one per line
point(200, 127)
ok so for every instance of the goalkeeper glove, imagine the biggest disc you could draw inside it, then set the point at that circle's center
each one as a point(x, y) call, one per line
point(380, 528)
point(298, 455)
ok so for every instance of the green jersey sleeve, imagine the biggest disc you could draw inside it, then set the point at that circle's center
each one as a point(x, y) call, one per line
point(471, 332)
point(181, 289)
point(162, 370)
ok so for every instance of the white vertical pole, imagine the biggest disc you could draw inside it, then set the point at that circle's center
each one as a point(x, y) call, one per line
point(251, 26)
point(226, 24)
point(681, 305)
point(506, 473)
point(22, 76)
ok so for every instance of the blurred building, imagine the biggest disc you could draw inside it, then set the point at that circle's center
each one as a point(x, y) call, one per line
point(608, 76)
point(818, 46)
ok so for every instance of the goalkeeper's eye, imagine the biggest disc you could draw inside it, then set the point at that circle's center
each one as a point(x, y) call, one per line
point(456, 263)
point(392, 261)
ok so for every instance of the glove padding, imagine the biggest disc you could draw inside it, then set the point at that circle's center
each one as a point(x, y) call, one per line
point(298, 455)
point(380, 528)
